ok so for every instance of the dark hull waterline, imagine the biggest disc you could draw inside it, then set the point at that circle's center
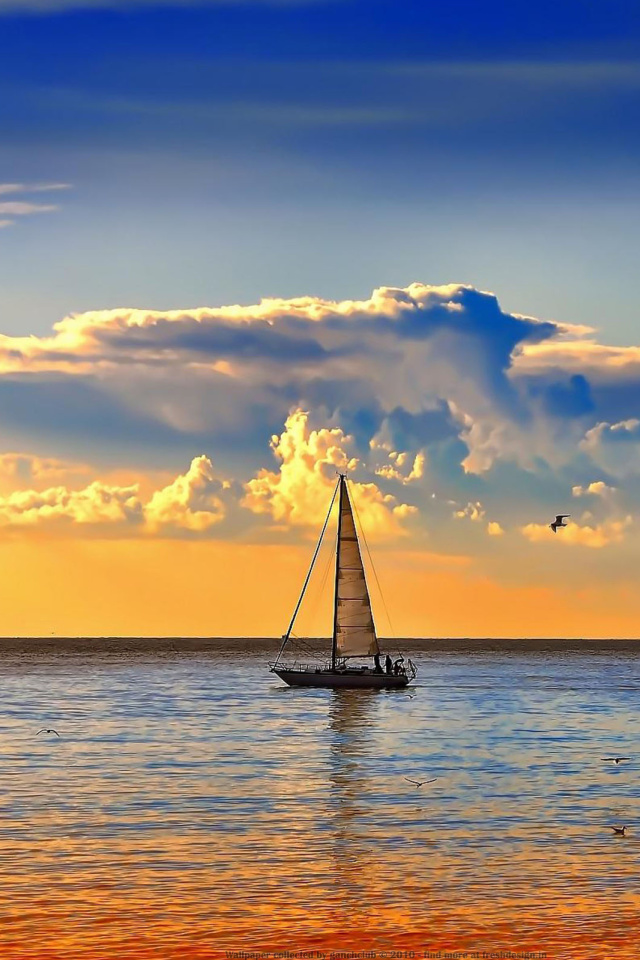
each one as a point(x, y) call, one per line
point(342, 679)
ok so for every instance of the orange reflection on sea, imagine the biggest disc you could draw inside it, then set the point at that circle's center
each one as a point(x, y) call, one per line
point(194, 807)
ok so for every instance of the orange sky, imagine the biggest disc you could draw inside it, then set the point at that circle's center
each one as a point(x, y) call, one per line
point(208, 588)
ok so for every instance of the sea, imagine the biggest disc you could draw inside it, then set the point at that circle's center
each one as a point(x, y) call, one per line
point(190, 805)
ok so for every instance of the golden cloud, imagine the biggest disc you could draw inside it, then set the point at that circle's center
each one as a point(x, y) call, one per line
point(96, 504)
point(473, 511)
point(404, 467)
point(611, 531)
point(598, 489)
point(300, 491)
point(191, 502)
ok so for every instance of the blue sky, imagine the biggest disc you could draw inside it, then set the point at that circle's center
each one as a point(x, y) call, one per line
point(220, 152)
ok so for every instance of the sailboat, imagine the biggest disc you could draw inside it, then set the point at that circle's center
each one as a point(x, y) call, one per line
point(354, 632)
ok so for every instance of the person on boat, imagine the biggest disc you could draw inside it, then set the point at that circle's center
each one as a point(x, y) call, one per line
point(397, 668)
point(388, 664)
point(378, 665)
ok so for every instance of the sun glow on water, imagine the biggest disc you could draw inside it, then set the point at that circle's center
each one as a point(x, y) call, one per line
point(193, 805)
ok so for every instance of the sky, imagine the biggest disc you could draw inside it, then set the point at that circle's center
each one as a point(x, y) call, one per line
point(243, 245)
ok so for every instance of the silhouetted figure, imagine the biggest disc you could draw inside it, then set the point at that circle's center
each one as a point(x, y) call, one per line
point(558, 521)
point(619, 831)
point(388, 665)
point(378, 665)
point(615, 759)
point(397, 668)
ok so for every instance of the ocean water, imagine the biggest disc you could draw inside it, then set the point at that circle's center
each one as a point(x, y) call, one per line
point(193, 805)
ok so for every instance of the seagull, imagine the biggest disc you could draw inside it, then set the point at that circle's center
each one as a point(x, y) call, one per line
point(558, 521)
point(47, 731)
point(619, 831)
point(615, 759)
point(420, 783)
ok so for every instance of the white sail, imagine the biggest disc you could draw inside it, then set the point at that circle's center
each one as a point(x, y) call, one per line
point(354, 626)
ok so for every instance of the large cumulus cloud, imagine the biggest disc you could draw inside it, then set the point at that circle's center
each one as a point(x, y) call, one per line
point(213, 372)
point(201, 501)
point(435, 396)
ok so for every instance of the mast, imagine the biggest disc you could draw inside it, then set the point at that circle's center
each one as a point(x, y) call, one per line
point(334, 643)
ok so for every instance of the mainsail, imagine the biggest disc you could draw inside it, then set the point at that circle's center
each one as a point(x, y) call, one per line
point(354, 629)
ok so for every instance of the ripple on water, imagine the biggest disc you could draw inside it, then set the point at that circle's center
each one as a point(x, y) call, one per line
point(192, 804)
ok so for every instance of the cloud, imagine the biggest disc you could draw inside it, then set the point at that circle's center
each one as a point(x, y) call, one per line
point(10, 188)
point(494, 529)
point(20, 208)
point(24, 468)
point(615, 447)
point(431, 396)
point(95, 505)
point(430, 321)
point(472, 511)
point(597, 488)
point(299, 493)
point(404, 467)
point(611, 531)
point(25, 208)
point(200, 499)
point(191, 502)
point(453, 345)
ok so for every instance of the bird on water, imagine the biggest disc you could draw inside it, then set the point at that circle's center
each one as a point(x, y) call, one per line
point(50, 730)
point(615, 759)
point(420, 783)
point(619, 831)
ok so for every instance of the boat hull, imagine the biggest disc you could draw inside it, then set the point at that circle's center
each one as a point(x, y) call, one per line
point(355, 680)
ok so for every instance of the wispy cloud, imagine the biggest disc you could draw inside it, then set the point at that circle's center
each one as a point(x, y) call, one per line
point(21, 208)
point(11, 188)
point(26, 208)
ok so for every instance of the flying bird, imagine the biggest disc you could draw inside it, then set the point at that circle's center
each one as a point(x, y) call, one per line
point(619, 831)
point(558, 521)
point(615, 759)
point(47, 731)
point(420, 783)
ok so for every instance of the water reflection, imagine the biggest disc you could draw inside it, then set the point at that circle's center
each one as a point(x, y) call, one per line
point(350, 726)
point(192, 806)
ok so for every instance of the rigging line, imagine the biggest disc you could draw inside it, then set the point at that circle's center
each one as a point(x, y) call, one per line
point(304, 586)
point(375, 572)
point(323, 581)
point(307, 642)
point(306, 647)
